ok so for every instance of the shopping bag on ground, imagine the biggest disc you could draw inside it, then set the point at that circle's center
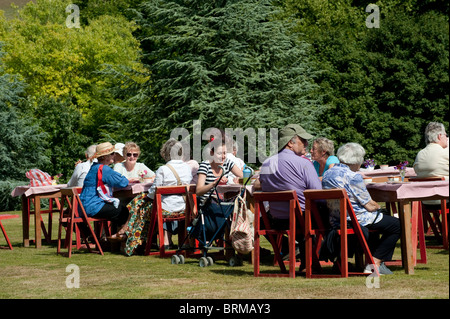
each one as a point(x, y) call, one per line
point(242, 232)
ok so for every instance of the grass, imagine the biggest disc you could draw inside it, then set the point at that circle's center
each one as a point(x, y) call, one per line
point(41, 274)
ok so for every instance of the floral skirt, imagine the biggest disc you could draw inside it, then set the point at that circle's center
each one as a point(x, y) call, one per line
point(137, 231)
point(140, 220)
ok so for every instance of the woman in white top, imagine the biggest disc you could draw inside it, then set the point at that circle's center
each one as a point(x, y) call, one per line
point(131, 168)
point(172, 205)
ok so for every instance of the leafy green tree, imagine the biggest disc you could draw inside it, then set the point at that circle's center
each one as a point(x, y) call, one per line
point(92, 9)
point(381, 86)
point(58, 61)
point(22, 144)
point(62, 123)
point(228, 64)
point(62, 67)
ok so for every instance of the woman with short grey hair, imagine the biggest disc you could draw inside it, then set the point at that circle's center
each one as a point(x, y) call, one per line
point(322, 154)
point(351, 154)
point(174, 172)
point(367, 211)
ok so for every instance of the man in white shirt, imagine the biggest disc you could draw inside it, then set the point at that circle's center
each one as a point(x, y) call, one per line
point(82, 169)
point(433, 160)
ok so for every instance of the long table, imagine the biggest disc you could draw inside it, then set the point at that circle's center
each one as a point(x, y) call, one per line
point(390, 171)
point(35, 194)
point(132, 190)
point(406, 195)
point(53, 192)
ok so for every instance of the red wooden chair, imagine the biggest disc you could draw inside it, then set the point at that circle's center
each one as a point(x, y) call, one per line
point(317, 228)
point(6, 216)
point(75, 215)
point(434, 220)
point(273, 235)
point(157, 219)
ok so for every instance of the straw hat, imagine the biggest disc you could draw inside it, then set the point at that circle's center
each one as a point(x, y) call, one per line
point(288, 132)
point(104, 149)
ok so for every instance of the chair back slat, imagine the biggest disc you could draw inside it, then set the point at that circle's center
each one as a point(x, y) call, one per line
point(346, 210)
point(274, 235)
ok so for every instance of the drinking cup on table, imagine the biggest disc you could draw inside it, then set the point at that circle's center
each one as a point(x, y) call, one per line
point(384, 167)
point(367, 180)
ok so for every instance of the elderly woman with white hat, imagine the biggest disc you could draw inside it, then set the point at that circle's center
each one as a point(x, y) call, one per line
point(96, 195)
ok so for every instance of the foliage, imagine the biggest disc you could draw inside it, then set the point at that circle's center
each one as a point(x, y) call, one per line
point(67, 94)
point(238, 64)
point(63, 62)
point(7, 202)
point(229, 64)
point(382, 86)
point(61, 121)
point(22, 144)
point(92, 9)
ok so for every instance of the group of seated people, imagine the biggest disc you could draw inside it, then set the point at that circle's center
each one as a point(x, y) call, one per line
point(115, 166)
point(289, 169)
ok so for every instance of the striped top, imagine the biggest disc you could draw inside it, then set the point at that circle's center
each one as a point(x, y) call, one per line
point(205, 168)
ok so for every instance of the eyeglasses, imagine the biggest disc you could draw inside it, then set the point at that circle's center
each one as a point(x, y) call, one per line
point(133, 154)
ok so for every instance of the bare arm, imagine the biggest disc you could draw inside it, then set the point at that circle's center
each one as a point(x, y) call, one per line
point(372, 206)
point(203, 188)
point(237, 171)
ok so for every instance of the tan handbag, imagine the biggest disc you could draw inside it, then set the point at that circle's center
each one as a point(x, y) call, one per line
point(242, 233)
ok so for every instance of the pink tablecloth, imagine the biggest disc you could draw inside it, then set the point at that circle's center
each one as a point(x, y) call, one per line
point(28, 190)
point(135, 188)
point(414, 189)
point(234, 187)
point(390, 171)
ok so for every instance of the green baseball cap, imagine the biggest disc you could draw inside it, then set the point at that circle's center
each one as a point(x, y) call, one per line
point(288, 132)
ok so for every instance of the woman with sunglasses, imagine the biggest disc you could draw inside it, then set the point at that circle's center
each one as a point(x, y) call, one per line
point(131, 168)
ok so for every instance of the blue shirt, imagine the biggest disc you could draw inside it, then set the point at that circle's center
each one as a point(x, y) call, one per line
point(330, 160)
point(90, 199)
point(340, 176)
point(287, 171)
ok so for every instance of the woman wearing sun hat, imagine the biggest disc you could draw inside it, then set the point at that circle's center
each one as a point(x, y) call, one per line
point(96, 195)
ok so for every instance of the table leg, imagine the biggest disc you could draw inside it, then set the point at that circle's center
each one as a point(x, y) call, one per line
point(26, 221)
point(37, 221)
point(405, 220)
point(251, 206)
point(444, 224)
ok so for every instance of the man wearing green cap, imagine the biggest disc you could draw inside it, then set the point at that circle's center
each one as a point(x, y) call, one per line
point(288, 170)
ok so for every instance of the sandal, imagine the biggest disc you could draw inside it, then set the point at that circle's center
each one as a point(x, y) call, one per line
point(117, 237)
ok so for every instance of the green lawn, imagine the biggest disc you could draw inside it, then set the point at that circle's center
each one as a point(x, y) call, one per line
point(40, 273)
